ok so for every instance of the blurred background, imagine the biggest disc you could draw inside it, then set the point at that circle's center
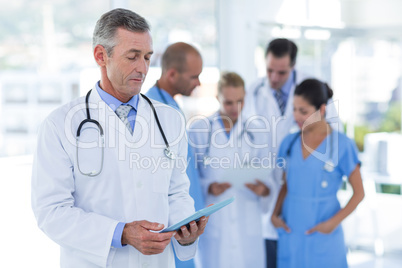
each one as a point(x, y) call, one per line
point(355, 45)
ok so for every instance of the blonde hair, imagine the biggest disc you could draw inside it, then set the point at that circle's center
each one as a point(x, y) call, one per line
point(230, 79)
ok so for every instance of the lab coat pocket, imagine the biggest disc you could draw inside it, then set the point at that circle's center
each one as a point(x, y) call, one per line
point(110, 258)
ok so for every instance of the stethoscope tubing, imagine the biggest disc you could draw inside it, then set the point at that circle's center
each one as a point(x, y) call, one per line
point(329, 165)
point(170, 154)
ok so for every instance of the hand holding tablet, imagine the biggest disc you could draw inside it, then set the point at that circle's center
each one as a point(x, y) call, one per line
point(197, 215)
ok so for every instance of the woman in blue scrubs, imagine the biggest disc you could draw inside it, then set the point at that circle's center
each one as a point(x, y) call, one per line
point(307, 214)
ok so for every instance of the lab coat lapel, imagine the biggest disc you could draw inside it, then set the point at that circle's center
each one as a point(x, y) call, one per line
point(143, 119)
point(274, 103)
point(269, 100)
point(289, 104)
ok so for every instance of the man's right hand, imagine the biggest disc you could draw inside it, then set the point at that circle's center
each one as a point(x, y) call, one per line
point(138, 234)
point(218, 188)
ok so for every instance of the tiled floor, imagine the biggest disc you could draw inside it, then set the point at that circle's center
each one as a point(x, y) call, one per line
point(363, 259)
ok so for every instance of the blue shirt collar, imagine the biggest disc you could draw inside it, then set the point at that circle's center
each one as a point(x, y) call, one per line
point(112, 102)
point(288, 85)
point(167, 97)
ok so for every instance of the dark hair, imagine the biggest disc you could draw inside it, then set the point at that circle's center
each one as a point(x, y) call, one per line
point(314, 92)
point(107, 25)
point(281, 47)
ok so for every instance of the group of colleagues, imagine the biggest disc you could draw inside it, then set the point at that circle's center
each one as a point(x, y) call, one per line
point(93, 195)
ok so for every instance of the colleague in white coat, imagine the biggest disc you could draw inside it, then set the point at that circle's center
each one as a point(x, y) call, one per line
point(224, 141)
point(109, 171)
point(270, 98)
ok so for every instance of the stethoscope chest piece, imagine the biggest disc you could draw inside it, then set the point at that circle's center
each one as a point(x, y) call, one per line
point(329, 166)
point(170, 154)
point(207, 160)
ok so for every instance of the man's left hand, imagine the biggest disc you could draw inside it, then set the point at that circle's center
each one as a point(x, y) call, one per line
point(187, 236)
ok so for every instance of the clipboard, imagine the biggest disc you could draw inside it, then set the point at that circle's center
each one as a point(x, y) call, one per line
point(238, 176)
point(197, 215)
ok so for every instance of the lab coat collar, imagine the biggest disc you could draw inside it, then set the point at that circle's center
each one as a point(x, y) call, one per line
point(112, 101)
point(265, 93)
point(216, 123)
point(108, 119)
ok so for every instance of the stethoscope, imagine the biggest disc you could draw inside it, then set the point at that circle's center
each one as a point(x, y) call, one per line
point(168, 152)
point(329, 165)
point(207, 159)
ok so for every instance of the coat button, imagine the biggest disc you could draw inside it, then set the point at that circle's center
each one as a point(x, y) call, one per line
point(139, 184)
point(324, 184)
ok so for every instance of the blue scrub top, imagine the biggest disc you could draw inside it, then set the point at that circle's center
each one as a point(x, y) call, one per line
point(311, 199)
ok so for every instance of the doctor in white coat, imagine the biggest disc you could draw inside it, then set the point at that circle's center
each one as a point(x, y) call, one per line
point(270, 99)
point(103, 187)
point(223, 141)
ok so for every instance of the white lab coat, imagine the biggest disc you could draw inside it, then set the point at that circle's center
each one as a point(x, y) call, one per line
point(80, 213)
point(233, 236)
point(261, 102)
